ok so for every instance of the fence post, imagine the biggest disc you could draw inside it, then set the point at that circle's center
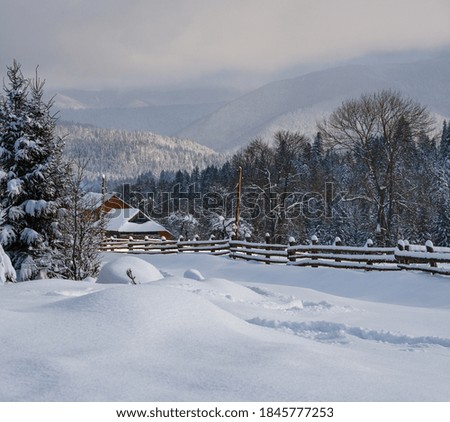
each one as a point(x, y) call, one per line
point(369, 244)
point(291, 254)
point(163, 240)
point(247, 240)
point(401, 247)
point(337, 242)
point(146, 245)
point(211, 239)
point(232, 238)
point(130, 243)
point(111, 244)
point(196, 238)
point(430, 248)
point(314, 241)
point(267, 238)
point(180, 239)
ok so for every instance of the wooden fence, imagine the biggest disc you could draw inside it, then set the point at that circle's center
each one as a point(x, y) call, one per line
point(403, 257)
point(154, 246)
point(262, 252)
point(428, 258)
point(367, 258)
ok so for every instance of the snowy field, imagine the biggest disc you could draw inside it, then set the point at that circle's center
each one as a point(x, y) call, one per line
point(246, 332)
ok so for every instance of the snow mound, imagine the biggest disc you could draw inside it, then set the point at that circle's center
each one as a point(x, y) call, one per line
point(194, 274)
point(219, 288)
point(116, 271)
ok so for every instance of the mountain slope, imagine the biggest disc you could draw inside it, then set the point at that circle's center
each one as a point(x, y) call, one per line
point(164, 111)
point(120, 154)
point(163, 119)
point(296, 104)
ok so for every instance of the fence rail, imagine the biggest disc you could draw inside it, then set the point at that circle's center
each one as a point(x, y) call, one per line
point(404, 257)
point(154, 246)
point(262, 252)
point(368, 258)
point(424, 258)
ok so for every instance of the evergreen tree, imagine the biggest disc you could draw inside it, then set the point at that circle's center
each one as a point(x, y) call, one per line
point(32, 177)
point(445, 142)
point(441, 191)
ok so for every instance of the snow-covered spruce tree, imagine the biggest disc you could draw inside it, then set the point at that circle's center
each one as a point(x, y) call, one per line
point(445, 142)
point(32, 178)
point(441, 191)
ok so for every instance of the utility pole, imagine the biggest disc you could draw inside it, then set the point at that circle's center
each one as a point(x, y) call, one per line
point(102, 207)
point(238, 202)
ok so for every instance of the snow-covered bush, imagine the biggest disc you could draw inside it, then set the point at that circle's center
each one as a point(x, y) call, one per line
point(183, 224)
point(226, 227)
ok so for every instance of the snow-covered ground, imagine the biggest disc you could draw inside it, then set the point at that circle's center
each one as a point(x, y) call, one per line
point(214, 329)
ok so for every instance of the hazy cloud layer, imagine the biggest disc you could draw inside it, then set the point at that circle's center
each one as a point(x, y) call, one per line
point(133, 42)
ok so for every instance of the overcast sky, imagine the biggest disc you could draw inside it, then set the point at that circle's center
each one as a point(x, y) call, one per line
point(104, 43)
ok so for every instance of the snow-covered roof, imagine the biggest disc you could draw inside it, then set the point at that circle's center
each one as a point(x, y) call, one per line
point(119, 221)
point(94, 200)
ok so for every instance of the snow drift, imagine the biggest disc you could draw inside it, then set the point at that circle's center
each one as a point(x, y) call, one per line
point(247, 332)
point(115, 271)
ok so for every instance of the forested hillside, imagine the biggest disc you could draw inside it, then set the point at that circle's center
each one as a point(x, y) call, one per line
point(120, 154)
point(372, 171)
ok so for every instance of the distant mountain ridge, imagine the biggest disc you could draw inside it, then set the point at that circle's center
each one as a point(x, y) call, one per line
point(163, 112)
point(296, 104)
point(165, 120)
point(123, 98)
point(224, 121)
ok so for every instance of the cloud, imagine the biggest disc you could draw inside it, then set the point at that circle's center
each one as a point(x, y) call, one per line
point(132, 42)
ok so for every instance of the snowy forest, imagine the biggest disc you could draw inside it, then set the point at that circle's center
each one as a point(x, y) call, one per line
point(120, 154)
point(374, 170)
point(45, 230)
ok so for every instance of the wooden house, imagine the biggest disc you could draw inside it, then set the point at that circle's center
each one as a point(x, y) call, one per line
point(123, 220)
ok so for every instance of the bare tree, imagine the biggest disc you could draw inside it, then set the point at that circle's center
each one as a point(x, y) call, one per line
point(379, 129)
point(80, 228)
point(274, 176)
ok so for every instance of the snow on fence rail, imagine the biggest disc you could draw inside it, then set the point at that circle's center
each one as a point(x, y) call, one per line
point(367, 258)
point(155, 246)
point(263, 252)
point(214, 247)
point(403, 257)
point(424, 258)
